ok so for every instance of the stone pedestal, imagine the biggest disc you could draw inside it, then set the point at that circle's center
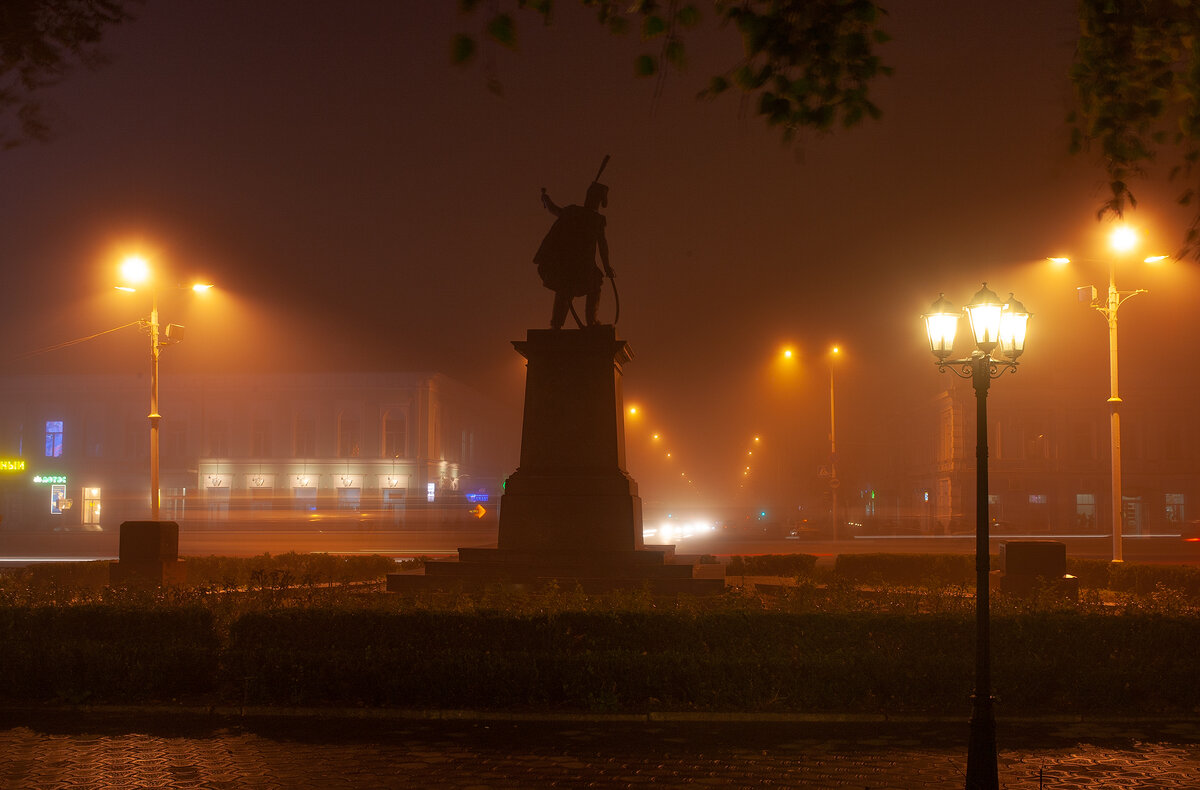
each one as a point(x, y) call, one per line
point(148, 555)
point(570, 512)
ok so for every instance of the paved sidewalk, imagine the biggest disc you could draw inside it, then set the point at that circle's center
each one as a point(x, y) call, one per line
point(64, 750)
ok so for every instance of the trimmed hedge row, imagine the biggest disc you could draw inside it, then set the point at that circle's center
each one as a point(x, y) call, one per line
point(1043, 663)
point(103, 653)
point(940, 569)
point(910, 569)
point(599, 660)
point(265, 571)
point(771, 565)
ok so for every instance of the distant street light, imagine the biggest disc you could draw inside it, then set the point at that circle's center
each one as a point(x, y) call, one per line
point(833, 458)
point(135, 271)
point(1123, 239)
point(998, 327)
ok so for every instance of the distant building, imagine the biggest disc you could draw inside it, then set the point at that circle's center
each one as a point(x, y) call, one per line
point(74, 449)
point(1049, 465)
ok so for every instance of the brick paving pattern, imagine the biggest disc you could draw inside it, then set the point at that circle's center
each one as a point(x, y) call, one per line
point(94, 751)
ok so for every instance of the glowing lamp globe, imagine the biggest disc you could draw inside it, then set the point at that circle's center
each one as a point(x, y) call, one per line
point(984, 314)
point(941, 324)
point(1014, 320)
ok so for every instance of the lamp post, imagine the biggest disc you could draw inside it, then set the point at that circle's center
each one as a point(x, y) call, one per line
point(135, 269)
point(996, 326)
point(833, 478)
point(1122, 240)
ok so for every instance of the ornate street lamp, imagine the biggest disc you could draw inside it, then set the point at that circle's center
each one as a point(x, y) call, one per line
point(997, 326)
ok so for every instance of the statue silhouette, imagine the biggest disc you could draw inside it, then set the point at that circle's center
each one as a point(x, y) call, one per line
point(566, 259)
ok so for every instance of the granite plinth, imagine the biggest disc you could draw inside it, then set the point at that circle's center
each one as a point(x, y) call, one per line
point(570, 513)
point(148, 555)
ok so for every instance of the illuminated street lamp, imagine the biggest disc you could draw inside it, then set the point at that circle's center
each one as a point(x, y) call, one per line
point(833, 458)
point(1123, 239)
point(136, 271)
point(998, 330)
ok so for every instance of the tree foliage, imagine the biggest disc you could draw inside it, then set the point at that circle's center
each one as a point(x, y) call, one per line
point(1137, 79)
point(41, 41)
point(808, 64)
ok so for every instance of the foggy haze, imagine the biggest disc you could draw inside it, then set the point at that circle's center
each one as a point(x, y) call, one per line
point(361, 204)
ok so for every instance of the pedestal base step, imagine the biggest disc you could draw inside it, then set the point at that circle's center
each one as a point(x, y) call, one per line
point(593, 572)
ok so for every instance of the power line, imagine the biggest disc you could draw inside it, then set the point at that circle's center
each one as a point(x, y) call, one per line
point(76, 341)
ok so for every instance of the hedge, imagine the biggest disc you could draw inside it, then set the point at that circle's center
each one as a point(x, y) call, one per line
point(771, 565)
point(104, 653)
point(910, 569)
point(1043, 663)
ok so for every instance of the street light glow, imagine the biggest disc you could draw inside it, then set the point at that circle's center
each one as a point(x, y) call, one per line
point(1059, 261)
point(1155, 258)
point(1123, 238)
point(135, 269)
point(201, 287)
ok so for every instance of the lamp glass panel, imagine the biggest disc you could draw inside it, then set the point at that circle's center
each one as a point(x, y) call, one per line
point(941, 328)
point(985, 324)
point(1012, 332)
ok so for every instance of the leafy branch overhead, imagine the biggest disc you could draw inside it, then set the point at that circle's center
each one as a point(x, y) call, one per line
point(41, 41)
point(1137, 81)
point(808, 64)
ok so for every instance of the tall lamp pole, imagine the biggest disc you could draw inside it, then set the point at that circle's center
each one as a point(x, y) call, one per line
point(833, 478)
point(155, 417)
point(1122, 240)
point(136, 270)
point(996, 327)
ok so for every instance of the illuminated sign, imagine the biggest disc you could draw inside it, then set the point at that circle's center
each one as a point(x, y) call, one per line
point(50, 479)
point(12, 464)
point(477, 497)
point(430, 491)
point(58, 496)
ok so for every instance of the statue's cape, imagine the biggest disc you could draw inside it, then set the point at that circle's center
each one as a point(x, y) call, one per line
point(566, 258)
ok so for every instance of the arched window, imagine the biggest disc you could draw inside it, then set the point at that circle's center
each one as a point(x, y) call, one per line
point(395, 433)
point(349, 438)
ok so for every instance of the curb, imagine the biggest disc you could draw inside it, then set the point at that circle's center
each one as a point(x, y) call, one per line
point(650, 717)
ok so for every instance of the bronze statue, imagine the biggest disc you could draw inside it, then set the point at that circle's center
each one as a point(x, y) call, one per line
point(566, 260)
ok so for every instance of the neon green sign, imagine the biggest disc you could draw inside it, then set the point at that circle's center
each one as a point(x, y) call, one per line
point(50, 479)
point(12, 464)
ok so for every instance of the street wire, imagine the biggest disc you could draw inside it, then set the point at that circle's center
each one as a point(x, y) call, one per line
point(76, 341)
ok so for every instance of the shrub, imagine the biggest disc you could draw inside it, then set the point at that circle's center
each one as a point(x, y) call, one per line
point(772, 565)
point(910, 569)
point(1044, 663)
point(1142, 579)
point(104, 653)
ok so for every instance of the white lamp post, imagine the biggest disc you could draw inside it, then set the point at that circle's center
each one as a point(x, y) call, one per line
point(1122, 240)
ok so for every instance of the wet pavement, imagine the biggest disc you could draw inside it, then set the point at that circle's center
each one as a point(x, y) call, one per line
point(81, 750)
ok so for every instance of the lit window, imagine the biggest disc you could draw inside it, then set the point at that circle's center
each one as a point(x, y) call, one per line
point(54, 438)
point(1037, 499)
point(58, 499)
point(91, 506)
point(1174, 510)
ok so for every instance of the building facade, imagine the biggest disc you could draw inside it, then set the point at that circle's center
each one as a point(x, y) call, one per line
point(1049, 464)
point(244, 448)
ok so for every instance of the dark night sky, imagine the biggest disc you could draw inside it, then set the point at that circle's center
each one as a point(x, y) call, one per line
point(363, 204)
